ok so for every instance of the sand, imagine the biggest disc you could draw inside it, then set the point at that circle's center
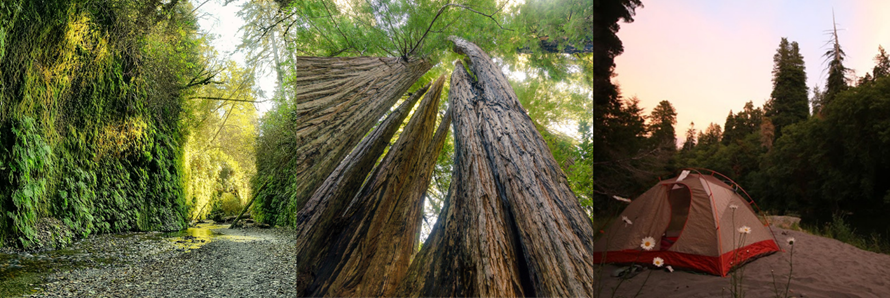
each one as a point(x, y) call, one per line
point(823, 267)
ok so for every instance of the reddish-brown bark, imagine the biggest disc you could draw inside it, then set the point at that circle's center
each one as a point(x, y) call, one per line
point(321, 218)
point(511, 225)
point(338, 101)
point(369, 246)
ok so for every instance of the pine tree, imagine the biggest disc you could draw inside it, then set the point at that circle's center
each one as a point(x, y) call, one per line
point(882, 64)
point(689, 144)
point(817, 100)
point(662, 119)
point(729, 126)
point(837, 73)
point(788, 102)
point(710, 136)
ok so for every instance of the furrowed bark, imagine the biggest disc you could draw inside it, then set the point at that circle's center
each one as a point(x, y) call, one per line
point(338, 101)
point(470, 250)
point(511, 225)
point(372, 252)
point(320, 218)
point(369, 245)
point(555, 235)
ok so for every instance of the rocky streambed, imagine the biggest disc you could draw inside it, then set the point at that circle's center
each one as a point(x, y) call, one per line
point(208, 260)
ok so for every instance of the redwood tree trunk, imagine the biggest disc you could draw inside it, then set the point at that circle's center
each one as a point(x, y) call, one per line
point(511, 225)
point(322, 214)
point(370, 254)
point(338, 101)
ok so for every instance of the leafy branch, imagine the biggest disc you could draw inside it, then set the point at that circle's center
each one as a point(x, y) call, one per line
point(441, 10)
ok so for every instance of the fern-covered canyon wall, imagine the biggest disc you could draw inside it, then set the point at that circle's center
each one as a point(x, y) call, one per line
point(91, 96)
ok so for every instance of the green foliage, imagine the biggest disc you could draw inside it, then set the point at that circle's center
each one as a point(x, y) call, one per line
point(788, 101)
point(624, 161)
point(842, 231)
point(25, 160)
point(273, 152)
point(837, 163)
point(220, 151)
point(580, 174)
point(882, 64)
point(91, 95)
point(227, 205)
point(661, 126)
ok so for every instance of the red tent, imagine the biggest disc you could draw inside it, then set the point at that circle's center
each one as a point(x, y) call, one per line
point(696, 221)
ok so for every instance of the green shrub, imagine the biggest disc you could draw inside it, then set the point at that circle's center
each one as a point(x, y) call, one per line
point(840, 230)
point(230, 204)
point(226, 204)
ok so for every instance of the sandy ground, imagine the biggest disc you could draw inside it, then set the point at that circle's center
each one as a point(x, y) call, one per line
point(823, 267)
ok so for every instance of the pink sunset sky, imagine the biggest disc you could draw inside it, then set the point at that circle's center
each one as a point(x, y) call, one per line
point(710, 57)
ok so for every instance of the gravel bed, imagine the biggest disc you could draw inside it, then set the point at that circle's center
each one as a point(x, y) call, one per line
point(247, 262)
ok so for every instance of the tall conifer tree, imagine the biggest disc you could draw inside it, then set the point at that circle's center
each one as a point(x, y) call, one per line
point(661, 125)
point(837, 79)
point(788, 102)
point(882, 64)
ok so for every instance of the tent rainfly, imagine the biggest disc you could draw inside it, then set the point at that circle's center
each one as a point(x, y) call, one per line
point(696, 221)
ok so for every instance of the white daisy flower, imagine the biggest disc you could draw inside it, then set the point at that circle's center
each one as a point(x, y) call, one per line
point(648, 243)
point(790, 241)
point(745, 230)
point(658, 261)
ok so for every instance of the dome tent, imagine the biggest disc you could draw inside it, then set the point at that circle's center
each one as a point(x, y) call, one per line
point(695, 220)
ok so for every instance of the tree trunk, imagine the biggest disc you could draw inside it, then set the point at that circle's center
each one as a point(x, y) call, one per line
point(511, 227)
point(321, 217)
point(370, 254)
point(338, 101)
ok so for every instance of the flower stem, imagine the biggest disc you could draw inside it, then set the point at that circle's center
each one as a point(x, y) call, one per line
point(644, 284)
point(790, 270)
point(615, 290)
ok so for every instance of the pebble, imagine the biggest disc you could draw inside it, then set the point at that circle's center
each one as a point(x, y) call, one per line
point(147, 265)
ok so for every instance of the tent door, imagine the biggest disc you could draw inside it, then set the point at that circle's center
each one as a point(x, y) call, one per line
point(679, 199)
